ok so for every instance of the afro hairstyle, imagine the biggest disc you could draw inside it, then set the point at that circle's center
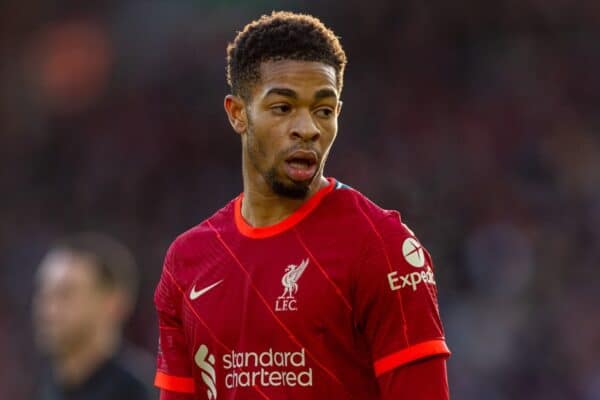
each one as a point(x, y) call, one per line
point(281, 36)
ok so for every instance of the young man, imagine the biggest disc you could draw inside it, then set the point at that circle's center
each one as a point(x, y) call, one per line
point(300, 288)
point(85, 291)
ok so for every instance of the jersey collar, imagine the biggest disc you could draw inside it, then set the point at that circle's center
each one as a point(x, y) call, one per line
point(267, 231)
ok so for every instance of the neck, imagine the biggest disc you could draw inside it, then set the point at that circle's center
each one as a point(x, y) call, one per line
point(262, 208)
point(73, 368)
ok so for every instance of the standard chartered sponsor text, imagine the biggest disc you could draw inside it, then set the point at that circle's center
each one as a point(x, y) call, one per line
point(267, 368)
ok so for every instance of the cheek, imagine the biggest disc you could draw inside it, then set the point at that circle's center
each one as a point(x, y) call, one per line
point(255, 145)
point(50, 308)
point(261, 147)
point(83, 308)
point(328, 135)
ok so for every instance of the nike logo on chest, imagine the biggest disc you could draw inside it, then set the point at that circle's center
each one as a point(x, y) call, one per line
point(194, 294)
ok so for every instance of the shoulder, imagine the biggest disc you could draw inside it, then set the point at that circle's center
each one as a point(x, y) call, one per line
point(198, 239)
point(387, 243)
point(364, 212)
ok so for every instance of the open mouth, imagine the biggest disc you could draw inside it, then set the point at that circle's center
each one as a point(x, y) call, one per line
point(301, 165)
point(302, 159)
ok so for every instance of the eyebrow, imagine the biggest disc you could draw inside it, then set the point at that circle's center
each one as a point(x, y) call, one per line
point(320, 94)
point(283, 92)
point(324, 93)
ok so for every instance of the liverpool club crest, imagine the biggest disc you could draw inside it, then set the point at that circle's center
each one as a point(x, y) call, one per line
point(287, 301)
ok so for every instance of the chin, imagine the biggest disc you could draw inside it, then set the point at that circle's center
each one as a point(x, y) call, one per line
point(289, 188)
point(295, 190)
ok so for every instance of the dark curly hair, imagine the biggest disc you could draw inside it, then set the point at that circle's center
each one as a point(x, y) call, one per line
point(281, 36)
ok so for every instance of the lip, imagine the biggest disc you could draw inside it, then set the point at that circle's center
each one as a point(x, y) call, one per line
point(301, 165)
point(306, 155)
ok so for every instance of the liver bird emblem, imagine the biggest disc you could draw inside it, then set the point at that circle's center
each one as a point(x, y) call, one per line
point(291, 277)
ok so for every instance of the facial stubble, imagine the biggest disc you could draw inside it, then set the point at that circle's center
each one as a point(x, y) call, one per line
point(256, 152)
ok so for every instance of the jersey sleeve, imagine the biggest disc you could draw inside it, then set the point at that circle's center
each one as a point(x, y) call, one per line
point(396, 304)
point(173, 373)
point(425, 379)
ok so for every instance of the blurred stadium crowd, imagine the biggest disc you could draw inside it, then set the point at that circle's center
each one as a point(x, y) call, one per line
point(479, 121)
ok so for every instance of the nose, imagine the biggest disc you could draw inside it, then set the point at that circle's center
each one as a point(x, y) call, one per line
point(304, 127)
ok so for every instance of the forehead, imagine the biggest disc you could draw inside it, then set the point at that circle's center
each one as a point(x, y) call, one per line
point(301, 76)
point(62, 268)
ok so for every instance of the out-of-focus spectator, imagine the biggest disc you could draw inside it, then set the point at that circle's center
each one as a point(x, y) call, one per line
point(85, 291)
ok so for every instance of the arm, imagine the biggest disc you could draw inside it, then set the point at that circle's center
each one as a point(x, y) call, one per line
point(168, 395)
point(424, 379)
point(174, 370)
point(396, 310)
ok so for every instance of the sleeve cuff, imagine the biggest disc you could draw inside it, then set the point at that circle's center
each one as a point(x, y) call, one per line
point(410, 354)
point(174, 383)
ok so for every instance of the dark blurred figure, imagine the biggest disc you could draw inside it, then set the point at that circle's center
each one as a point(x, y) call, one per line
point(85, 291)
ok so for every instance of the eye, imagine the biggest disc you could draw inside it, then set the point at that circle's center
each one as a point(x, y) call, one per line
point(324, 112)
point(281, 109)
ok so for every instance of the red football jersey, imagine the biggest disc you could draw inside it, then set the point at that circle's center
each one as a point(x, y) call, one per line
point(317, 306)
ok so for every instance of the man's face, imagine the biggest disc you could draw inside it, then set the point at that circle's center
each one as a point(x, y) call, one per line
point(68, 303)
point(292, 123)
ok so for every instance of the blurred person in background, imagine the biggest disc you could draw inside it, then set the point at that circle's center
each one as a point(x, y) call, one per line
point(86, 288)
point(300, 288)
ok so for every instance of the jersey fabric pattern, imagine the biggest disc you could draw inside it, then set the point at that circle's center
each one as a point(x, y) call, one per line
point(316, 306)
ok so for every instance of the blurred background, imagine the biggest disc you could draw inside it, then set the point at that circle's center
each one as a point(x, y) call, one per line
point(479, 121)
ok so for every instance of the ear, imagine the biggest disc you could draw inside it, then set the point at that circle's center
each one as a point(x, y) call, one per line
point(339, 107)
point(236, 113)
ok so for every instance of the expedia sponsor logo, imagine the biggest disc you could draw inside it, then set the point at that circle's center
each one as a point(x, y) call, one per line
point(269, 368)
point(412, 280)
point(413, 252)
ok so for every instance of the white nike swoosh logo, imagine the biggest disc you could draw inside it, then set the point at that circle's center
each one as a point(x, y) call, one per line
point(195, 294)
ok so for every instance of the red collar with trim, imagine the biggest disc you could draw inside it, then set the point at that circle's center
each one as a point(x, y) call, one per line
point(267, 231)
